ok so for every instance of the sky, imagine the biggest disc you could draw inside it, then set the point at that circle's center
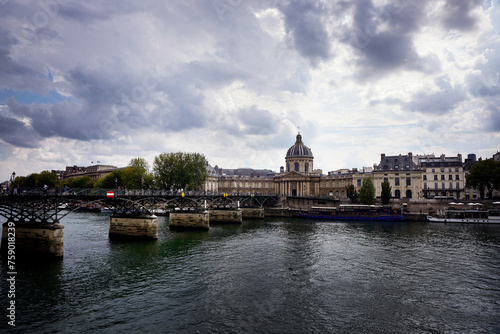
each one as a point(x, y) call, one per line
point(236, 80)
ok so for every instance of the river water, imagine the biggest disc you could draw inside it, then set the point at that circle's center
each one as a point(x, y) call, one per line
point(272, 276)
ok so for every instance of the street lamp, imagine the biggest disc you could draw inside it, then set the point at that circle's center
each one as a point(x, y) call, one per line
point(12, 178)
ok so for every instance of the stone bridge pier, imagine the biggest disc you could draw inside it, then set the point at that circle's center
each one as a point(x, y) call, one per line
point(123, 226)
point(32, 239)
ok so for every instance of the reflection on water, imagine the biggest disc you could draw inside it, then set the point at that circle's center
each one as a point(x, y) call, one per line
point(276, 275)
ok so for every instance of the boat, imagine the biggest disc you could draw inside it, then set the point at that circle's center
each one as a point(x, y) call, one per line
point(494, 212)
point(464, 213)
point(355, 212)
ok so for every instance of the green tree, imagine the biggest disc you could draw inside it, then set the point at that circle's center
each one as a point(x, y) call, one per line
point(46, 178)
point(137, 175)
point(28, 181)
point(79, 182)
point(352, 193)
point(180, 170)
point(484, 175)
point(367, 192)
point(386, 192)
point(110, 181)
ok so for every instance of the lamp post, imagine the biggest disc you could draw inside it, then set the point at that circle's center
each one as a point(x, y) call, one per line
point(12, 178)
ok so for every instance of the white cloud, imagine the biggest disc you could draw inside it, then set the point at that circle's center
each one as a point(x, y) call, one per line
point(236, 82)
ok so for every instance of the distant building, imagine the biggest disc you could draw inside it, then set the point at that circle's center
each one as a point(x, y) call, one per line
point(300, 179)
point(442, 176)
point(402, 173)
point(246, 181)
point(95, 172)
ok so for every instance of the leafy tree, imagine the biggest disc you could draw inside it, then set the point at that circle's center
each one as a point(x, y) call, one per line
point(46, 178)
point(180, 170)
point(28, 181)
point(484, 175)
point(352, 193)
point(367, 191)
point(137, 175)
point(79, 182)
point(386, 192)
point(110, 181)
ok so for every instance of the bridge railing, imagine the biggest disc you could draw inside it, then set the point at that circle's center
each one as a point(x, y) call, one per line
point(40, 191)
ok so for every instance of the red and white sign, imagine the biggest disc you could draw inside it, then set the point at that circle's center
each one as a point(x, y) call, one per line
point(110, 194)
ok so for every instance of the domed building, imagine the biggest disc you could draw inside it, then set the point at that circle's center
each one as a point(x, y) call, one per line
point(299, 178)
point(299, 157)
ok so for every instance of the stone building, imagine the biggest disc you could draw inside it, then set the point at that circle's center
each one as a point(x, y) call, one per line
point(402, 173)
point(442, 176)
point(299, 179)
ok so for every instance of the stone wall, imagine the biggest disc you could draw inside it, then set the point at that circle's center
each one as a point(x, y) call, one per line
point(196, 221)
point(145, 227)
point(226, 216)
point(252, 213)
point(35, 239)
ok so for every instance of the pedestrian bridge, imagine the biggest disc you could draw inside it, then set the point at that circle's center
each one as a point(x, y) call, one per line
point(48, 207)
point(33, 217)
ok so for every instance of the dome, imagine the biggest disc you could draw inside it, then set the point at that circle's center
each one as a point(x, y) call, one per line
point(299, 149)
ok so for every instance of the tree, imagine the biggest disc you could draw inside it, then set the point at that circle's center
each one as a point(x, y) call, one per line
point(367, 191)
point(180, 170)
point(79, 182)
point(137, 175)
point(352, 193)
point(110, 181)
point(484, 175)
point(46, 178)
point(386, 192)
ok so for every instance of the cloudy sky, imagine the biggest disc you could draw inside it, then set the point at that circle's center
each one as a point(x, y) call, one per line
point(108, 81)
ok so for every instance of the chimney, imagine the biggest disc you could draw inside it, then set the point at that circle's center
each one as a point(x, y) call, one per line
point(382, 156)
point(410, 155)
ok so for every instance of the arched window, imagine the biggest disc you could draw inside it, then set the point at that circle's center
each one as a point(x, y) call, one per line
point(408, 194)
point(397, 194)
point(296, 166)
point(306, 168)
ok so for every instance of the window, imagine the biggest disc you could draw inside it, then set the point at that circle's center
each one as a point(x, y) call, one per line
point(408, 181)
point(324, 184)
point(450, 177)
point(456, 170)
point(435, 177)
point(425, 177)
point(306, 167)
point(425, 185)
point(396, 181)
point(435, 185)
point(296, 166)
point(458, 185)
point(433, 170)
point(457, 177)
point(451, 185)
point(396, 166)
point(442, 177)
point(442, 186)
point(397, 194)
point(386, 179)
point(359, 182)
point(408, 194)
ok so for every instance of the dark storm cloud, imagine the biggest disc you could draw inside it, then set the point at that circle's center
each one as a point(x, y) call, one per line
point(440, 102)
point(12, 73)
point(457, 14)
point(383, 39)
point(16, 133)
point(305, 29)
point(494, 118)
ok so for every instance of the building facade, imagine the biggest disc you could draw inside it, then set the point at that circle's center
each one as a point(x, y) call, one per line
point(442, 176)
point(402, 173)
